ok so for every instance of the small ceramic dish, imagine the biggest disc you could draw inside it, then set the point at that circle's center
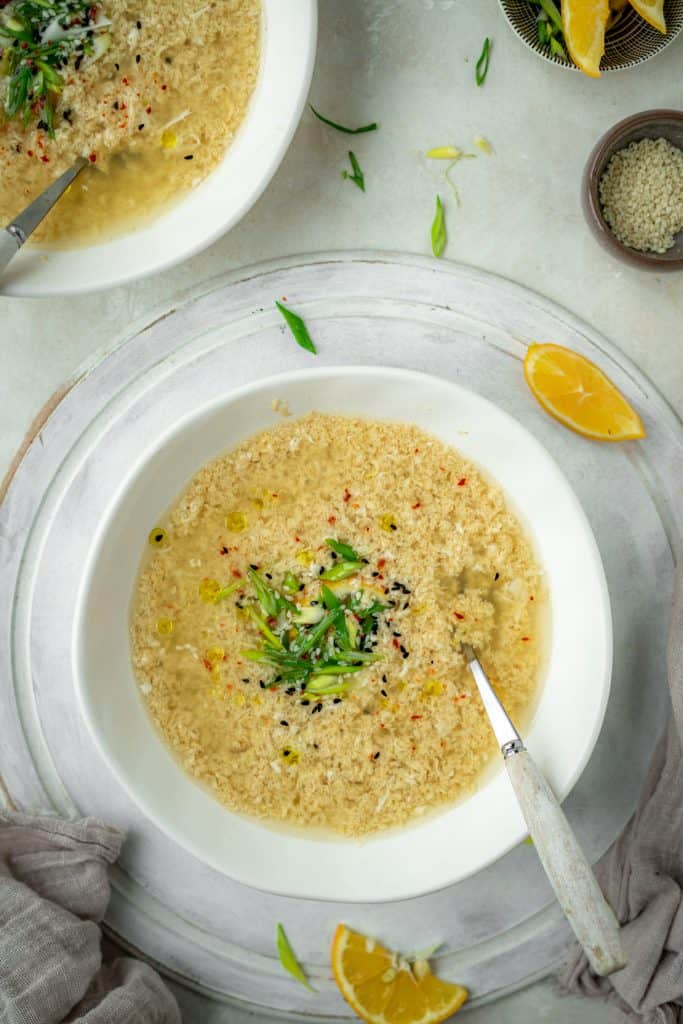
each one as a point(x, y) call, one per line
point(630, 41)
point(442, 848)
point(649, 124)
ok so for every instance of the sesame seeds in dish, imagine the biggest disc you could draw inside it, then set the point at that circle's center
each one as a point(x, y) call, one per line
point(151, 93)
point(297, 622)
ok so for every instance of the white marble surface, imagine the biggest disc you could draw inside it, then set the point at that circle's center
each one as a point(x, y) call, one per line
point(410, 64)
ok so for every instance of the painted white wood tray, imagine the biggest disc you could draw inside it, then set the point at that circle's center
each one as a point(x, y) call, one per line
point(500, 928)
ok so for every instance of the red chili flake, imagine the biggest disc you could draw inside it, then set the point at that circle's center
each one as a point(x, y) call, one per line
point(164, 88)
point(45, 159)
point(229, 686)
point(531, 597)
point(381, 563)
point(332, 520)
point(122, 106)
point(459, 616)
point(381, 725)
point(93, 158)
point(416, 505)
point(298, 540)
point(29, 152)
point(223, 550)
point(416, 450)
point(462, 482)
point(236, 573)
point(347, 494)
point(414, 718)
point(395, 642)
point(207, 664)
point(125, 81)
point(525, 639)
point(148, 110)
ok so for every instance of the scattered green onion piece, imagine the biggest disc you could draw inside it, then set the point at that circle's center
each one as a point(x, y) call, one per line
point(317, 633)
point(444, 153)
point(330, 599)
point(341, 571)
point(438, 229)
point(318, 687)
point(226, 592)
point(288, 959)
point(298, 329)
point(345, 550)
point(341, 128)
point(357, 177)
point(552, 11)
point(482, 66)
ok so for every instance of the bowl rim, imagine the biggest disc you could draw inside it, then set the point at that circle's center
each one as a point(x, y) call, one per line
point(43, 272)
point(615, 138)
point(603, 617)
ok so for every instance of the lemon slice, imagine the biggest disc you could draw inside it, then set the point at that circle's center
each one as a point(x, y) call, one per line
point(383, 988)
point(583, 26)
point(652, 11)
point(578, 394)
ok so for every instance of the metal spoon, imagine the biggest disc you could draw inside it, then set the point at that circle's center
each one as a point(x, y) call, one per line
point(565, 864)
point(15, 234)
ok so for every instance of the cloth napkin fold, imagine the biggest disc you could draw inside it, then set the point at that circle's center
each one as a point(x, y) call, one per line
point(54, 891)
point(642, 876)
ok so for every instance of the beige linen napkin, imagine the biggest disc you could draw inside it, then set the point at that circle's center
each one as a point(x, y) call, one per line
point(53, 892)
point(642, 876)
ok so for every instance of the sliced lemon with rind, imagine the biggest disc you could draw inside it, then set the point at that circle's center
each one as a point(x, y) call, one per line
point(652, 11)
point(583, 25)
point(384, 988)
point(579, 395)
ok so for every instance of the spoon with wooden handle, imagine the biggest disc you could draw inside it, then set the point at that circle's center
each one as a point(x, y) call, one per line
point(565, 864)
point(15, 234)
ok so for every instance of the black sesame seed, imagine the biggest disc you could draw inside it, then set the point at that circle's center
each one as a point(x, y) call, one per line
point(375, 574)
point(384, 693)
point(262, 684)
point(318, 707)
point(393, 526)
point(190, 157)
point(140, 127)
point(404, 652)
point(138, 24)
point(406, 606)
point(321, 570)
point(384, 679)
point(117, 67)
point(334, 554)
point(286, 753)
point(66, 114)
point(116, 104)
point(305, 703)
point(315, 602)
point(496, 577)
point(158, 537)
point(168, 60)
point(268, 576)
point(254, 567)
point(375, 756)
point(365, 561)
point(138, 58)
point(43, 126)
point(302, 586)
point(394, 633)
point(337, 700)
point(283, 722)
point(315, 746)
point(290, 690)
point(245, 680)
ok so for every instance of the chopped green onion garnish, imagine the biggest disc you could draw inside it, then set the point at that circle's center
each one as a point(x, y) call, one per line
point(298, 329)
point(482, 66)
point(341, 571)
point(265, 594)
point(345, 550)
point(264, 628)
point(288, 959)
point(357, 176)
point(341, 128)
point(290, 583)
point(438, 229)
